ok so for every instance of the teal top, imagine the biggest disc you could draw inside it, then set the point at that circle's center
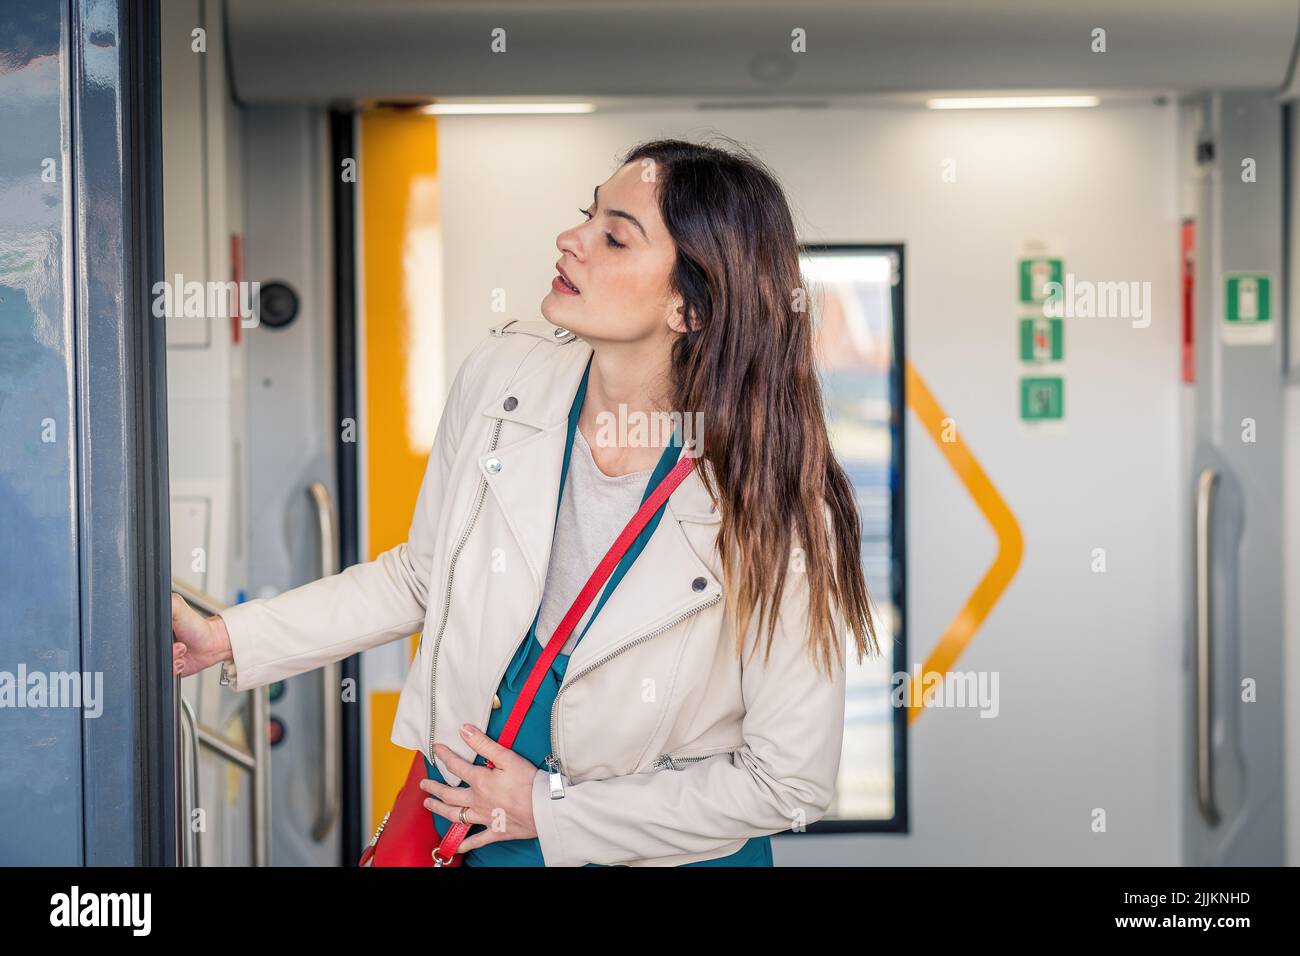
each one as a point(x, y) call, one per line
point(534, 738)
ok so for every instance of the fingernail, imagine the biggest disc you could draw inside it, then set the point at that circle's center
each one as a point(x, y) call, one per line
point(466, 730)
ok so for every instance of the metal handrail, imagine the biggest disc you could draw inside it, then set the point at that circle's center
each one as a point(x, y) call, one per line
point(257, 762)
point(1204, 723)
point(227, 749)
point(331, 704)
point(190, 773)
point(200, 600)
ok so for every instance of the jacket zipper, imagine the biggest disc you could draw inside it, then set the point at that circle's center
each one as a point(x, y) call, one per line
point(451, 574)
point(553, 766)
point(378, 830)
point(669, 762)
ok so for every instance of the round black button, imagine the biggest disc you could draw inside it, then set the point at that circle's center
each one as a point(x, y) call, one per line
point(510, 403)
point(699, 584)
point(277, 304)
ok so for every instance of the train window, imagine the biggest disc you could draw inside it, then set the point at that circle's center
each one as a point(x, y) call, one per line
point(857, 314)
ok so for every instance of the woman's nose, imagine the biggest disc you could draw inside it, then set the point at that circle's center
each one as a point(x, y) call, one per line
point(569, 241)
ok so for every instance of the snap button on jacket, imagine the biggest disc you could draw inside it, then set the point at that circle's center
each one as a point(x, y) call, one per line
point(671, 747)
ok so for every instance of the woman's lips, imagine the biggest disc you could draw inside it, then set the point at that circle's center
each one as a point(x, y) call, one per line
point(559, 285)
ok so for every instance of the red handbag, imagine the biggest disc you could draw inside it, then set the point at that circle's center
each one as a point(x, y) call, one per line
point(407, 836)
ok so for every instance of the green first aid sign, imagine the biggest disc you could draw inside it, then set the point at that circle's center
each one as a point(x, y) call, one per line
point(1042, 339)
point(1035, 274)
point(1042, 398)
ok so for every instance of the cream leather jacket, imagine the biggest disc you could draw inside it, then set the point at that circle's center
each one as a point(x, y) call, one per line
point(666, 748)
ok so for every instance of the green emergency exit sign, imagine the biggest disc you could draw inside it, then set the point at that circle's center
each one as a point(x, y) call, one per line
point(1250, 298)
point(1248, 308)
point(1042, 398)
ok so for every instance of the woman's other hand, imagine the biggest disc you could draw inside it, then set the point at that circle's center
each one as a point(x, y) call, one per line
point(500, 797)
point(198, 642)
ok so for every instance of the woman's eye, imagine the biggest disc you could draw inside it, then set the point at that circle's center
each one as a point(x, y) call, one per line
point(609, 236)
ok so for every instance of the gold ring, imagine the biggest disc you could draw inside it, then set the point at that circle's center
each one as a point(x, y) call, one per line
point(461, 815)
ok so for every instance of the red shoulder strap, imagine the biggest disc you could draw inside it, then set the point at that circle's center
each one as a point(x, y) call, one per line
point(457, 833)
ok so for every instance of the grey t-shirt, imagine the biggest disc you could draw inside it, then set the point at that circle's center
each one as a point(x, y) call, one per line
point(594, 508)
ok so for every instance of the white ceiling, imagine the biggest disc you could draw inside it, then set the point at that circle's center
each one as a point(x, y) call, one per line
point(318, 51)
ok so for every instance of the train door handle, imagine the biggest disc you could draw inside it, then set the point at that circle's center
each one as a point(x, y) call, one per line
point(327, 813)
point(1204, 608)
point(189, 777)
point(255, 759)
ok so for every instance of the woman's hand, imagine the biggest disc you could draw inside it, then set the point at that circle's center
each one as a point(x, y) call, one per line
point(199, 642)
point(500, 797)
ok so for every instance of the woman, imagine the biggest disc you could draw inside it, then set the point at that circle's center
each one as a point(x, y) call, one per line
point(659, 736)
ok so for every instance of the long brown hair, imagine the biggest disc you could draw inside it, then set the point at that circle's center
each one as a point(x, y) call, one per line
point(746, 362)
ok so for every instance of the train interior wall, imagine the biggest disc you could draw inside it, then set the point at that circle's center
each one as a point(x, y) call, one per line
point(964, 192)
point(1060, 632)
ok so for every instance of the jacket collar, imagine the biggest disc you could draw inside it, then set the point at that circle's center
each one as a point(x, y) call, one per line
point(668, 578)
point(543, 396)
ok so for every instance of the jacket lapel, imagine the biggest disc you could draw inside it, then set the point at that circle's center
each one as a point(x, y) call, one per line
point(523, 472)
point(523, 475)
point(659, 587)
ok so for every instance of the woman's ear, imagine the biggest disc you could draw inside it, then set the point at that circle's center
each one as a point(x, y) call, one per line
point(677, 318)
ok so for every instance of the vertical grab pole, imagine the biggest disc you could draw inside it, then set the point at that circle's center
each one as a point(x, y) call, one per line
point(1204, 648)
